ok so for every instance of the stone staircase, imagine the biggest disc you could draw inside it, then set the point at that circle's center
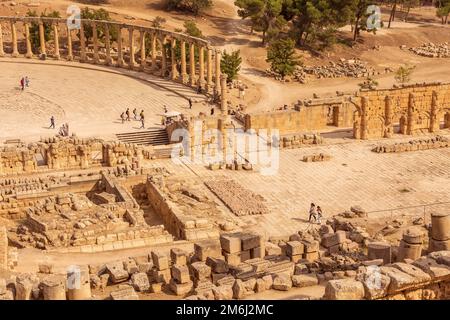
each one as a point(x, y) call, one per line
point(155, 137)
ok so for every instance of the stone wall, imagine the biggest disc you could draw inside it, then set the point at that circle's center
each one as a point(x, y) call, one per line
point(3, 248)
point(310, 115)
point(407, 110)
point(180, 223)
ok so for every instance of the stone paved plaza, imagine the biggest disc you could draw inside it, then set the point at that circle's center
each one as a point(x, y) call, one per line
point(354, 176)
point(89, 98)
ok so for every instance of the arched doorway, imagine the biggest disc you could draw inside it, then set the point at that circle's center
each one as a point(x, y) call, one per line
point(400, 127)
point(446, 123)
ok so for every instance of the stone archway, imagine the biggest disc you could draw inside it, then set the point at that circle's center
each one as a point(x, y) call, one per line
point(402, 125)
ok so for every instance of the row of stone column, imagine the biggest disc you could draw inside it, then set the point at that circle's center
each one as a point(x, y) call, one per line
point(201, 76)
point(410, 115)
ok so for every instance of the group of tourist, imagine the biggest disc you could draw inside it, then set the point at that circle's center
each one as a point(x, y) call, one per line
point(125, 116)
point(315, 213)
point(24, 82)
point(63, 130)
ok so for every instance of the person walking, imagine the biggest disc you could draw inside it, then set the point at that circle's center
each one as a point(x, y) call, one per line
point(312, 212)
point(52, 122)
point(190, 103)
point(122, 116)
point(135, 113)
point(22, 83)
point(27, 81)
point(141, 115)
point(128, 114)
point(142, 121)
point(165, 109)
point(212, 111)
point(319, 215)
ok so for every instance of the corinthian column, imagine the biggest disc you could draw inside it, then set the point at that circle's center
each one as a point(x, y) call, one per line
point(183, 62)
point(108, 61)
point(217, 75)
point(56, 38)
point(163, 57)
point(120, 61)
point(69, 44)
point(42, 37)
point(201, 70)
point(15, 52)
point(173, 59)
point(209, 68)
point(83, 56)
point(132, 62)
point(142, 49)
point(153, 51)
point(29, 53)
point(192, 64)
point(95, 42)
point(2, 51)
point(223, 95)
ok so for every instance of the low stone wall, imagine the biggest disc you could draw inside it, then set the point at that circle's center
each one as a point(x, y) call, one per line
point(300, 140)
point(414, 145)
point(175, 220)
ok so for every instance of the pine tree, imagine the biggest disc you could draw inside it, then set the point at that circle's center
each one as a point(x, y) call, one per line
point(231, 64)
point(282, 58)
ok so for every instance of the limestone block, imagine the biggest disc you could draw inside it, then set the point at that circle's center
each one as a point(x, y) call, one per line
point(311, 256)
point(181, 289)
point(180, 273)
point(260, 285)
point(24, 288)
point(305, 280)
point(217, 265)
point(140, 282)
point(268, 280)
point(245, 255)
point(160, 261)
point(127, 293)
point(239, 291)
point(116, 272)
point(399, 279)
point(258, 252)
point(178, 256)
point(225, 280)
point(130, 266)
point(310, 246)
point(46, 268)
point(413, 271)
point(430, 266)
point(294, 248)
point(224, 292)
point(344, 289)
point(231, 243)
point(441, 257)
point(272, 249)
point(78, 285)
point(379, 250)
point(332, 239)
point(200, 270)
point(375, 283)
point(282, 282)
point(232, 258)
point(207, 248)
point(156, 287)
point(413, 235)
point(162, 276)
point(250, 241)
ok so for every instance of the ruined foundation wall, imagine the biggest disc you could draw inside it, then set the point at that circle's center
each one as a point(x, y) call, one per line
point(3, 249)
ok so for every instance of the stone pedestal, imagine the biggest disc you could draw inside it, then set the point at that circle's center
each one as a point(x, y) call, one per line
point(440, 226)
point(54, 288)
point(80, 289)
point(379, 250)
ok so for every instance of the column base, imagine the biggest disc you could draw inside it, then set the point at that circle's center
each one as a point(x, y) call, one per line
point(57, 57)
point(108, 61)
point(28, 55)
point(69, 58)
point(142, 67)
point(184, 78)
point(15, 54)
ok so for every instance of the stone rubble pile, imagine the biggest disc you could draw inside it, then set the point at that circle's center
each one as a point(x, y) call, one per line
point(298, 140)
point(414, 145)
point(318, 157)
point(432, 50)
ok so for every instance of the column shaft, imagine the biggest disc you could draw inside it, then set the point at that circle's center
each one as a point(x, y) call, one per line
point(163, 57)
point(217, 75)
point(95, 42)
point(29, 53)
point(153, 51)
point(15, 52)
point(209, 70)
point(223, 95)
point(192, 77)
point(83, 56)
point(173, 59)
point(56, 39)
point(108, 61)
point(69, 44)
point(132, 61)
point(183, 62)
point(142, 49)
point(2, 51)
point(120, 61)
point(201, 70)
point(42, 37)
